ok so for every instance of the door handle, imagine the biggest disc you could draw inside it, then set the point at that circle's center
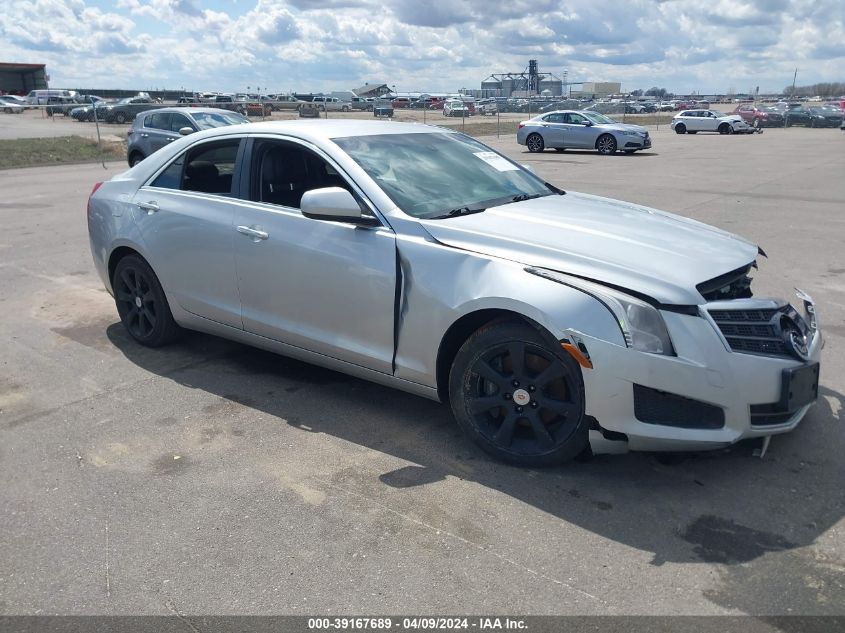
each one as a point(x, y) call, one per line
point(150, 207)
point(255, 234)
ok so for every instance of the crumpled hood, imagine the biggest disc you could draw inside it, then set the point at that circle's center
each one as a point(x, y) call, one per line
point(651, 252)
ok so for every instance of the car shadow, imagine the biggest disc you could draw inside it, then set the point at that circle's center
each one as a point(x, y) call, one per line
point(591, 152)
point(727, 507)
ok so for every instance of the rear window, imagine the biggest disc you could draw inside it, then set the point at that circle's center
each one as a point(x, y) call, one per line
point(209, 168)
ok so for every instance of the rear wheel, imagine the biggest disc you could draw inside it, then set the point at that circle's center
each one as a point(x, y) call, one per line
point(756, 123)
point(725, 128)
point(606, 144)
point(518, 397)
point(535, 143)
point(680, 129)
point(120, 117)
point(135, 158)
point(141, 303)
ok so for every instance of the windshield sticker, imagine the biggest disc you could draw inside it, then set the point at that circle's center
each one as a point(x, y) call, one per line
point(496, 161)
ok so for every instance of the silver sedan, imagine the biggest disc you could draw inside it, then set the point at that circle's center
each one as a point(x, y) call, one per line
point(573, 129)
point(414, 256)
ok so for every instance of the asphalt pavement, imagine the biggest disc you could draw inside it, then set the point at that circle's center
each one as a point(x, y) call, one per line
point(211, 478)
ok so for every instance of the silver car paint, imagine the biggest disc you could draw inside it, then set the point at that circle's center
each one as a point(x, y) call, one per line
point(569, 135)
point(447, 273)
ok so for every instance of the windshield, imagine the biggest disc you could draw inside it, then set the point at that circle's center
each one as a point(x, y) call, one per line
point(597, 118)
point(208, 120)
point(432, 174)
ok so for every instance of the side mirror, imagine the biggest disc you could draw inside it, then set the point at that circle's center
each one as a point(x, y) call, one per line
point(184, 131)
point(588, 123)
point(335, 205)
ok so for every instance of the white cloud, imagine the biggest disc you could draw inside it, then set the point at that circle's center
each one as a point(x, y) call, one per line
point(425, 45)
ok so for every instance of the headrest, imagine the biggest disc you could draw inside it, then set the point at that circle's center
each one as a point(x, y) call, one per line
point(201, 169)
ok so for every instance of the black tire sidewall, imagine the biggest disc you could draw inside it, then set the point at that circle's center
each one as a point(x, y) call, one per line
point(482, 340)
point(165, 329)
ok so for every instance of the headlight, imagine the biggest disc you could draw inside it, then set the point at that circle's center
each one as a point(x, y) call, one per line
point(641, 324)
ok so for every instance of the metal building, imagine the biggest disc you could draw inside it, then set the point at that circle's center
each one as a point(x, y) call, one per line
point(522, 84)
point(21, 78)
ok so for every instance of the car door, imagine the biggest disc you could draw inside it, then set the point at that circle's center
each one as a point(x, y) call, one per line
point(185, 214)
point(553, 130)
point(177, 122)
point(156, 131)
point(709, 121)
point(328, 287)
point(577, 133)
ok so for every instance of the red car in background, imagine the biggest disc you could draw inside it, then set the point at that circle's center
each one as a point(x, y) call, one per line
point(759, 116)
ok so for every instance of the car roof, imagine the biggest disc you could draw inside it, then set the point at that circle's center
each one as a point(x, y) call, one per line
point(189, 110)
point(319, 130)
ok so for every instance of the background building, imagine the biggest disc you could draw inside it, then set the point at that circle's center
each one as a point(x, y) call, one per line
point(597, 89)
point(21, 78)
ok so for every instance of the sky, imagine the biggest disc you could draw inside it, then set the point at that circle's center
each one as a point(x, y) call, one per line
point(686, 46)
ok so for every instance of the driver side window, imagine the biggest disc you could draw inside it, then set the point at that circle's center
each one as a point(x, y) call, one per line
point(283, 172)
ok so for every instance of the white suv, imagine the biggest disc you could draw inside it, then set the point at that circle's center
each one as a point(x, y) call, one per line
point(693, 121)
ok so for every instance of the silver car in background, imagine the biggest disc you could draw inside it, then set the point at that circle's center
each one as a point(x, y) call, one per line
point(694, 121)
point(154, 129)
point(579, 129)
point(414, 256)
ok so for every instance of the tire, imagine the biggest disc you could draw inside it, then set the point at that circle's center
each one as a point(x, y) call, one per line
point(151, 323)
point(345, 109)
point(725, 128)
point(756, 124)
point(135, 158)
point(680, 129)
point(7, 110)
point(120, 118)
point(535, 143)
point(507, 360)
point(812, 123)
point(606, 144)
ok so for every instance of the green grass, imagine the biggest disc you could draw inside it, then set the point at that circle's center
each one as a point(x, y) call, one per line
point(32, 152)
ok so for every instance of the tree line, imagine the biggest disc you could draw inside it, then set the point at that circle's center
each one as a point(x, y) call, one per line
point(821, 90)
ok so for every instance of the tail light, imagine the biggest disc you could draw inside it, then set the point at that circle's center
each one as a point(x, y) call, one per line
point(520, 126)
point(91, 195)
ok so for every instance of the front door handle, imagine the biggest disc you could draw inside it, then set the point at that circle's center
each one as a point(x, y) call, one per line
point(255, 234)
point(150, 207)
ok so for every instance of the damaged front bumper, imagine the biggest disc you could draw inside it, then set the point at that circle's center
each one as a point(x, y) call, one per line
point(744, 368)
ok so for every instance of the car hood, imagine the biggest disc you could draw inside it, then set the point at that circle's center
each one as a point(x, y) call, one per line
point(622, 127)
point(650, 252)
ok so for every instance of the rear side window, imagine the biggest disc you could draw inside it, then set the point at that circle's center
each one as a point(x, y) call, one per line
point(209, 168)
point(158, 121)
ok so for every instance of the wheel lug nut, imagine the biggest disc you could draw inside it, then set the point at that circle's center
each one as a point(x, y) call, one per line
point(515, 383)
point(531, 387)
point(519, 409)
point(507, 396)
point(534, 404)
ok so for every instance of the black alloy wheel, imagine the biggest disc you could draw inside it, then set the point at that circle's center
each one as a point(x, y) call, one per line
point(725, 128)
point(141, 303)
point(517, 396)
point(120, 117)
point(680, 129)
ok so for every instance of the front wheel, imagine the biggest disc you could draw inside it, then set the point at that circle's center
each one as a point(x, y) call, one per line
point(606, 144)
point(120, 117)
point(535, 143)
point(725, 128)
point(345, 109)
point(519, 397)
point(141, 303)
point(680, 129)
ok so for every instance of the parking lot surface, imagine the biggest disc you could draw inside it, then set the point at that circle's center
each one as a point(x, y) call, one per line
point(208, 477)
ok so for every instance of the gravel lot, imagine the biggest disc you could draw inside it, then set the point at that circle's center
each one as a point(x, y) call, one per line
point(210, 478)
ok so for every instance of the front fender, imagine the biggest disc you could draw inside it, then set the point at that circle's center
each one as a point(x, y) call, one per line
point(442, 284)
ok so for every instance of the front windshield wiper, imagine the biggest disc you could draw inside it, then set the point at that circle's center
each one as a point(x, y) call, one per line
point(458, 212)
point(554, 189)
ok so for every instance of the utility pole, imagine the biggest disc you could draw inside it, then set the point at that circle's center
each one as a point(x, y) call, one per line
point(794, 77)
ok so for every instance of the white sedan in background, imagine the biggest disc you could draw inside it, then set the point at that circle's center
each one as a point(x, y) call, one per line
point(694, 121)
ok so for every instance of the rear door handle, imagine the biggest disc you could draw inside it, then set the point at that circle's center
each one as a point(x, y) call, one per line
point(255, 234)
point(150, 207)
